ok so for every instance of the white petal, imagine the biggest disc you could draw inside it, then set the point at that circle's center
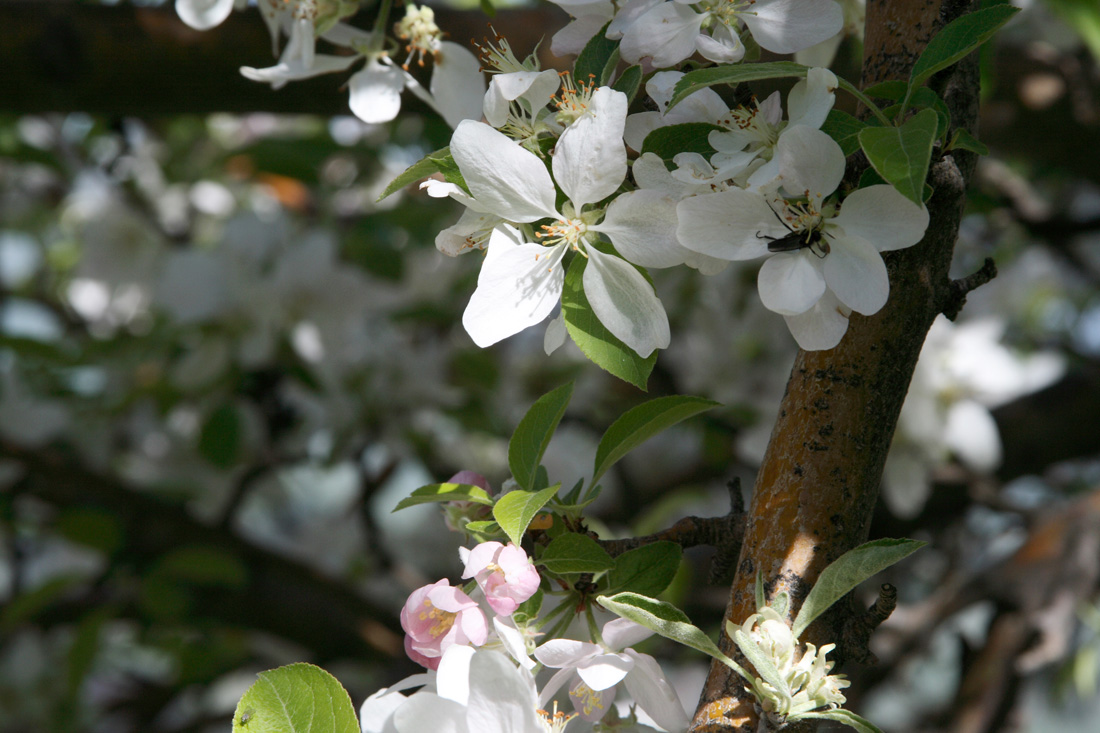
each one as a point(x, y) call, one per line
point(721, 47)
point(810, 100)
point(972, 435)
point(619, 633)
point(605, 670)
point(518, 286)
point(203, 14)
point(427, 711)
point(284, 71)
point(647, 684)
point(790, 283)
point(457, 84)
point(565, 652)
point(786, 26)
point(855, 271)
point(821, 327)
point(639, 125)
point(730, 225)
point(508, 180)
point(377, 710)
point(453, 676)
point(628, 13)
point(905, 481)
point(590, 158)
point(883, 217)
point(375, 93)
point(535, 86)
point(625, 303)
point(810, 162)
point(502, 696)
point(666, 33)
point(555, 334)
point(642, 226)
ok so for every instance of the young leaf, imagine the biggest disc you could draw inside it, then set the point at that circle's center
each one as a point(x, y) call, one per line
point(848, 571)
point(847, 717)
point(759, 590)
point(646, 570)
point(666, 620)
point(594, 59)
point(575, 553)
point(963, 140)
point(629, 82)
point(844, 128)
point(515, 510)
point(957, 39)
point(689, 137)
point(423, 168)
point(533, 434)
point(640, 423)
point(693, 81)
point(901, 154)
point(445, 492)
point(760, 661)
point(597, 343)
point(298, 698)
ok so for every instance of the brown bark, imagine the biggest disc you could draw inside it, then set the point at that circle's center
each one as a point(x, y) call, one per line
point(819, 480)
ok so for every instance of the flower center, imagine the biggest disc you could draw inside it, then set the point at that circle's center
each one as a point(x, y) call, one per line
point(554, 722)
point(752, 122)
point(442, 621)
point(572, 232)
point(574, 100)
point(418, 28)
point(726, 11)
point(498, 57)
point(587, 699)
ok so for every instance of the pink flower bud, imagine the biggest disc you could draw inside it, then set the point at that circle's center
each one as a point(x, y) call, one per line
point(504, 574)
point(437, 617)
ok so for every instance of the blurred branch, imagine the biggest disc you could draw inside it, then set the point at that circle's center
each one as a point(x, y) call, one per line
point(281, 596)
point(126, 60)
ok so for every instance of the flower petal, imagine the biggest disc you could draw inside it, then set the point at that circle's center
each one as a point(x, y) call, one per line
point(855, 271)
point(790, 282)
point(625, 303)
point(565, 652)
point(518, 286)
point(457, 84)
point(619, 633)
point(203, 15)
point(883, 217)
point(666, 33)
point(507, 179)
point(810, 162)
point(786, 26)
point(502, 696)
point(375, 93)
point(811, 99)
point(730, 225)
point(821, 327)
point(590, 158)
point(605, 670)
point(647, 684)
point(642, 226)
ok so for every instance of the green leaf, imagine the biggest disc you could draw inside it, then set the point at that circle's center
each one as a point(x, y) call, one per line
point(487, 8)
point(693, 81)
point(957, 39)
point(847, 717)
point(780, 603)
point(593, 338)
point(298, 698)
point(629, 82)
point(901, 154)
point(220, 439)
point(689, 137)
point(640, 423)
point(844, 128)
point(666, 620)
point(645, 570)
point(758, 590)
point(534, 432)
point(848, 571)
point(963, 140)
point(515, 510)
point(575, 553)
point(421, 169)
point(446, 165)
point(595, 58)
point(445, 492)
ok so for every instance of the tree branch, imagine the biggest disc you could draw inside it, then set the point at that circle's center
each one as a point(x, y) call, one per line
point(819, 481)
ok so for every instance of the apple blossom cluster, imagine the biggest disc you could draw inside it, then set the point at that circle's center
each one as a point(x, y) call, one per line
point(481, 674)
point(560, 169)
point(456, 84)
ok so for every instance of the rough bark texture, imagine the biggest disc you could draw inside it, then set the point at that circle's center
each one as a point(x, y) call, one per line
point(819, 480)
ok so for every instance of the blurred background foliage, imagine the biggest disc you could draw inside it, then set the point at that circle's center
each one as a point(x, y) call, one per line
point(222, 362)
